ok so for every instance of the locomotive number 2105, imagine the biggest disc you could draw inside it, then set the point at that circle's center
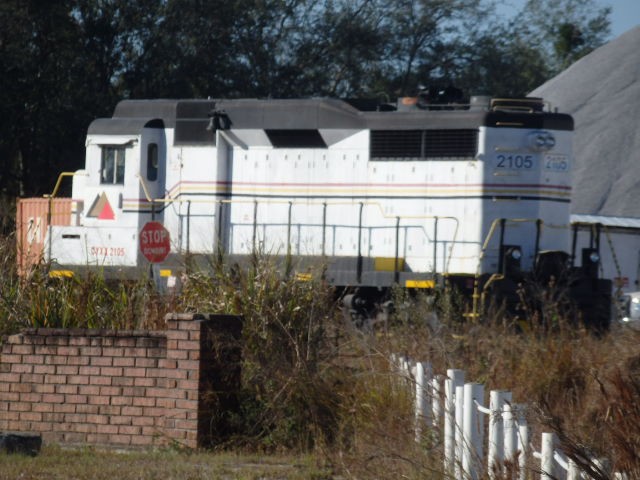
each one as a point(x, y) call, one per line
point(514, 162)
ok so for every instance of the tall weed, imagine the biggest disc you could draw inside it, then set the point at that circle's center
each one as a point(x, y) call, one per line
point(310, 383)
point(37, 300)
point(289, 398)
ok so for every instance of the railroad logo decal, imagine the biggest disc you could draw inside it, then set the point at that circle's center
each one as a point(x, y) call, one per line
point(101, 208)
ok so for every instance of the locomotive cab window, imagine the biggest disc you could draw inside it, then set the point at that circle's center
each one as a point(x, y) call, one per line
point(152, 162)
point(112, 168)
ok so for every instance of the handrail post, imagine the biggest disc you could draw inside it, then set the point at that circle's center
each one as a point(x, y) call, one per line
point(435, 244)
point(324, 228)
point(503, 222)
point(255, 225)
point(396, 264)
point(50, 230)
point(188, 226)
point(50, 206)
point(574, 240)
point(288, 259)
point(220, 237)
point(359, 260)
point(289, 229)
point(537, 244)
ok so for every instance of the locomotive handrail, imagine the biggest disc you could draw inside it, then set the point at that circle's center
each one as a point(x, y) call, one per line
point(51, 196)
point(59, 182)
point(476, 295)
point(383, 214)
point(518, 104)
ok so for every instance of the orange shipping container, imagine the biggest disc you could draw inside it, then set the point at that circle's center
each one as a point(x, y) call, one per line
point(34, 215)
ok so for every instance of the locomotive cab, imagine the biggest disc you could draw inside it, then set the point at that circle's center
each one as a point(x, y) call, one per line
point(113, 196)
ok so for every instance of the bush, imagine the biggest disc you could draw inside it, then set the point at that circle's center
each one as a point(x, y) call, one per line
point(37, 300)
point(289, 398)
point(308, 383)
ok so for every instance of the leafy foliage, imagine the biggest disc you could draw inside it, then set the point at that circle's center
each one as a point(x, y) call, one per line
point(67, 62)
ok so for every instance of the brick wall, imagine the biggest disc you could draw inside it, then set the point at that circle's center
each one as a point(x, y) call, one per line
point(122, 388)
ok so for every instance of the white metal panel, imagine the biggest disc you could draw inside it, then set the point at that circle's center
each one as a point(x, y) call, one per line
point(103, 246)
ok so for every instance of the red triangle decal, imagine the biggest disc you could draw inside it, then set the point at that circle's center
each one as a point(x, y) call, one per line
point(107, 212)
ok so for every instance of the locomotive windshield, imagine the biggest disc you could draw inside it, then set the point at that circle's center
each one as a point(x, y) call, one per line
point(112, 168)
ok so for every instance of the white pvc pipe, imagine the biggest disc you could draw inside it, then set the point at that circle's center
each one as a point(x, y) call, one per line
point(455, 378)
point(497, 399)
point(510, 432)
point(523, 447)
point(472, 427)
point(459, 429)
point(420, 402)
point(573, 472)
point(546, 456)
point(436, 405)
point(426, 387)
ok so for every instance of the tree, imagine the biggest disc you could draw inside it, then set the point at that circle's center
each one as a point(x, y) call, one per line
point(38, 87)
point(424, 35)
point(565, 30)
point(492, 66)
point(66, 62)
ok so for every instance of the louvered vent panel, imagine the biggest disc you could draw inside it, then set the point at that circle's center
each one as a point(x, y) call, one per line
point(423, 144)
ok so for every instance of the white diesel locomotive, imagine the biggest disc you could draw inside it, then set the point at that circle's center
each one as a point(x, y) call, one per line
point(413, 194)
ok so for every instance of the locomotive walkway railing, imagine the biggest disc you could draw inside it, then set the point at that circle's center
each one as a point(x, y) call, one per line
point(324, 204)
point(457, 412)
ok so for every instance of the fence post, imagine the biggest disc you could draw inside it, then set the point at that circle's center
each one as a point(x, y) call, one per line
point(497, 400)
point(436, 405)
point(455, 378)
point(407, 369)
point(459, 430)
point(523, 443)
point(422, 412)
point(472, 439)
point(546, 456)
point(573, 473)
point(510, 433)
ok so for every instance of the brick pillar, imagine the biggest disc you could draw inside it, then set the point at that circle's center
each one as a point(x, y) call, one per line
point(203, 376)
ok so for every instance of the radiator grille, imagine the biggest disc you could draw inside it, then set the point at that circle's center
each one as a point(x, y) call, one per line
point(423, 144)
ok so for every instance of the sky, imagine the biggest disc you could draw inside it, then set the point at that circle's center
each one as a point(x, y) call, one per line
point(625, 14)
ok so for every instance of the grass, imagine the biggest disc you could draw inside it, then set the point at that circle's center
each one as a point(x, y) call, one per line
point(55, 463)
point(312, 385)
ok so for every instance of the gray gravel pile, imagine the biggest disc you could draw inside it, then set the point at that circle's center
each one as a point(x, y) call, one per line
point(602, 92)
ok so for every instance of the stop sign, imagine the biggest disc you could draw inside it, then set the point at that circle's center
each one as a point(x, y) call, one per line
point(155, 242)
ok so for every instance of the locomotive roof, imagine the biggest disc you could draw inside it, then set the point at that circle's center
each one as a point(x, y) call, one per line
point(191, 117)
